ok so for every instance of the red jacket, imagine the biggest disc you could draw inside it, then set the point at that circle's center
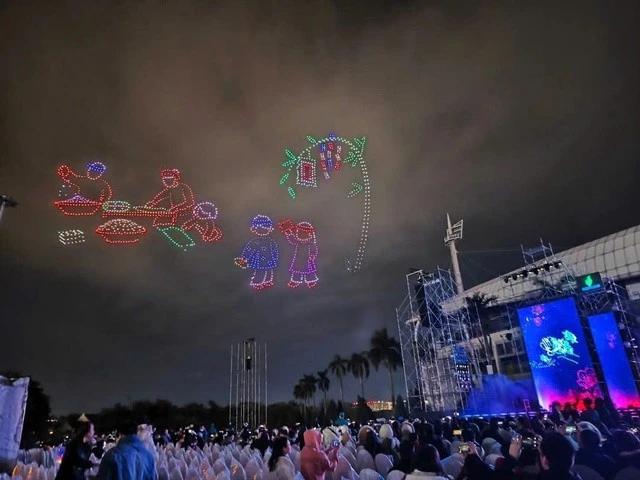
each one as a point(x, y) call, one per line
point(314, 462)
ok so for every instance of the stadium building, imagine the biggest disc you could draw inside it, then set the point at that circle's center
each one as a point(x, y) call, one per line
point(550, 330)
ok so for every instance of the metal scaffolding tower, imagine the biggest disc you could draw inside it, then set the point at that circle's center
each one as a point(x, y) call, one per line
point(248, 384)
point(440, 360)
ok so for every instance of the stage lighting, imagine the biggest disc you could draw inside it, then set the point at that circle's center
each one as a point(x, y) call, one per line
point(547, 267)
point(514, 276)
point(506, 279)
point(535, 270)
point(557, 264)
point(524, 273)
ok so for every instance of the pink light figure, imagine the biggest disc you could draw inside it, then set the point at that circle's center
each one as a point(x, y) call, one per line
point(303, 267)
point(177, 198)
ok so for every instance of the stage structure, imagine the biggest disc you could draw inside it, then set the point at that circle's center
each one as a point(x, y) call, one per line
point(556, 279)
point(248, 384)
point(527, 294)
point(440, 360)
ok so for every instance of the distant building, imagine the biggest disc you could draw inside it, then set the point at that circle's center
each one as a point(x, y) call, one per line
point(377, 405)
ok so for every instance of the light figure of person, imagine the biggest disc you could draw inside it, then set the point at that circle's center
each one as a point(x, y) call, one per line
point(260, 254)
point(177, 198)
point(303, 267)
point(91, 186)
point(204, 222)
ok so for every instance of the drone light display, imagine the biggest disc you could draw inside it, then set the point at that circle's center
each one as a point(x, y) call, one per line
point(260, 254)
point(327, 156)
point(303, 268)
point(71, 237)
point(173, 210)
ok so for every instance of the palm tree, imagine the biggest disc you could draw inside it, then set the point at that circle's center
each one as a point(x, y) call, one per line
point(359, 368)
point(299, 393)
point(339, 367)
point(477, 305)
point(323, 386)
point(385, 350)
point(310, 382)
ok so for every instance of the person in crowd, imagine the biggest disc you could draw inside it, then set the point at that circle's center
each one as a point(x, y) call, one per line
point(615, 415)
point(314, 462)
point(592, 416)
point(627, 450)
point(389, 443)
point(556, 415)
point(443, 446)
point(469, 436)
point(427, 465)
point(279, 462)
point(493, 431)
point(372, 443)
point(145, 434)
point(406, 457)
point(75, 461)
point(129, 459)
point(261, 443)
point(165, 438)
point(556, 458)
point(570, 413)
point(604, 413)
point(591, 455)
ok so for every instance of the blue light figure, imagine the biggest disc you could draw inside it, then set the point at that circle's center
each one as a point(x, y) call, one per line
point(260, 254)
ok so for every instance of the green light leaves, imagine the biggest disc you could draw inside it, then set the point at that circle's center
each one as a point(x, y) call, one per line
point(356, 188)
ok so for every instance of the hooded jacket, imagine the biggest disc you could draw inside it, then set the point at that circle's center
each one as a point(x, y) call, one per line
point(313, 461)
point(129, 460)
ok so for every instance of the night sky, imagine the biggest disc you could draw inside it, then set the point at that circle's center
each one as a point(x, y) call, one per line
point(522, 120)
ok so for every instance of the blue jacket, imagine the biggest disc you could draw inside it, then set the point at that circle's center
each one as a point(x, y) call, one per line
point(129, 460)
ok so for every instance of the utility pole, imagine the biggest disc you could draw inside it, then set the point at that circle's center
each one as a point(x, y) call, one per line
point(454, 232)
point(6, 201)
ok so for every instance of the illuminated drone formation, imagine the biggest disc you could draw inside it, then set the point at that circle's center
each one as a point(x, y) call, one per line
point(260, 254)
point(303, 268)
point(71, 237)
point(173, 211)
point(326, 156)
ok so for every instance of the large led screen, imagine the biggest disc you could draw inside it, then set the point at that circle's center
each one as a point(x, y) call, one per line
point(613, 358)
point(560, 364)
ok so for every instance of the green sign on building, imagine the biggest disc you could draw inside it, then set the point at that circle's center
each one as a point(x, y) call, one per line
point(590, 282)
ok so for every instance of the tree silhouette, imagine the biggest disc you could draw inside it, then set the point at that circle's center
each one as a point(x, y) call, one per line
point(300, 393)
point(359, 368)
point(477, 305)
point(339, 367)
point(385, 351)
point(323, 386)
point(310, 381)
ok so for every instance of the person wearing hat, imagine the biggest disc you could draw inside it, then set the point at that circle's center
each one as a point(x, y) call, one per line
point(177, 198)
point(260, 254)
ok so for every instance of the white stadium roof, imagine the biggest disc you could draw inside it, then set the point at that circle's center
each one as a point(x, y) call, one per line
point(616, 256)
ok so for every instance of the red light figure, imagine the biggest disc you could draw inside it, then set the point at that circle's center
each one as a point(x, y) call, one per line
point(176, 198)
point(90, 186)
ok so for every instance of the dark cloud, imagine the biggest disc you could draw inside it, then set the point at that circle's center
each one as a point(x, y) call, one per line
point(522, 120)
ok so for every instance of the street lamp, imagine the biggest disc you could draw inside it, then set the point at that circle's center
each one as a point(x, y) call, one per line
point(6, 201)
